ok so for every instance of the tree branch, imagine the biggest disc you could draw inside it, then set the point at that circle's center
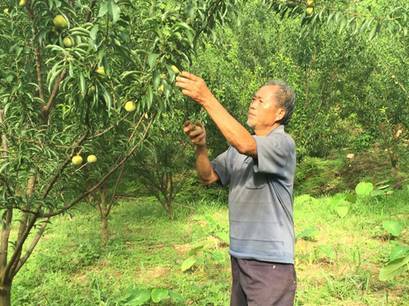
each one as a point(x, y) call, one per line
point(8, 215)
point(102, 181)
point(4, 243)
point(37, 53)
point(64, 164)
point(47, 108)
point(111, 203)
point(24, 221)
point(19, 246)
point(29, 251)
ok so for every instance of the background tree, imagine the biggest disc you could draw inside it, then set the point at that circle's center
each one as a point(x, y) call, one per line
point(67, 69)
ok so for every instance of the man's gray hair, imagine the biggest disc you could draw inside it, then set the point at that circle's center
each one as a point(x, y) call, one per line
point(286, 98)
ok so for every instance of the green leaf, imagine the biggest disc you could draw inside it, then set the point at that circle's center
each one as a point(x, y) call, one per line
point(223, 236)
point(188, 263)
point(82, 84)
point(149, 97)
point(114, 11)
point(394, 228)
point(176, 298)
point(326, 251)
point(141, 298)
point(103, 9)
point(152, 59)
point(364, 189)
point(159, 295)
point(308, 234)
point(196, 249)
point(393, 269)
point(342, 210)
point(399, 251)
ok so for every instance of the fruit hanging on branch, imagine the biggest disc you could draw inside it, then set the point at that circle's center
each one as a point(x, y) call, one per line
point(309, 11)
point(175, 69)
point(60, 22)
point(130, 106)
point(22, 3)
point(100, 70)
point(310, 3)
point(76, 160)
point(91, 159)
point(68, 42)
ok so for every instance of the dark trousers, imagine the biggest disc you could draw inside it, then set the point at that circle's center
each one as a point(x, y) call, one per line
point(260, 283)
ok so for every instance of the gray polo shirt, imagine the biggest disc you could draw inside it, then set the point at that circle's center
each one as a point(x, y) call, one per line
point(260, 198)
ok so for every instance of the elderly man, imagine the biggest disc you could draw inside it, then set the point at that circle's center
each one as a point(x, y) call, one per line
point(259, 170)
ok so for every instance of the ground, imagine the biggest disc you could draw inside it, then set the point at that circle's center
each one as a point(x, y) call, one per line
point(337, 258)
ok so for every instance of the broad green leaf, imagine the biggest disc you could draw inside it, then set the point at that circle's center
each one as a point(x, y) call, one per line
point(218, 256)
point(141, 297)
point(364, 189)
point(159, 295)
point(308, 234)
point(394, 228)
point(115, 12)
point(103, 9)
point(342, 210)
point(223, 236)
point(393, 269)
point(399, 251)
point(152, 59)
point(188, 263)
point(326, 251)
point(196, 249)
point(176, 298)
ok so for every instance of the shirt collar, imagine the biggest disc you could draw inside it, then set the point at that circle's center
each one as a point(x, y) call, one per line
point(278, 129)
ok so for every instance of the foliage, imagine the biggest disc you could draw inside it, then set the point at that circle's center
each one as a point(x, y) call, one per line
point(164, 163)
point(308, 234)
point(393, 227)
point(343, 80)
point(67, 70)
point(362, 17)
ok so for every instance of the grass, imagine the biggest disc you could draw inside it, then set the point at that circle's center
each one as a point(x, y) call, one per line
point(339, 265)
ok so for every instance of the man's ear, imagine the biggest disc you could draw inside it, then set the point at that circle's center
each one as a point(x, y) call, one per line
point(280, 114)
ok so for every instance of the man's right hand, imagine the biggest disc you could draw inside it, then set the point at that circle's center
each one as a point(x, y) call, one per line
point(196, 133)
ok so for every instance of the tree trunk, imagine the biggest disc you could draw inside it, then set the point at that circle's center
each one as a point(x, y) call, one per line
point(5, 295)
point(104, 214)
point(104, 230)
point(169, 208)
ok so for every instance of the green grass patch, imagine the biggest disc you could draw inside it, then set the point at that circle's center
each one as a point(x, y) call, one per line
point(339, 254)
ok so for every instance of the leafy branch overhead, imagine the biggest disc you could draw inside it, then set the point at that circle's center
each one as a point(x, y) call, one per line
point(357, 17)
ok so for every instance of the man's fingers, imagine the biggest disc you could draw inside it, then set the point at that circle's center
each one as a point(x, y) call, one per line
point(198, 139)
point(183, 80)
point(199, 124)
point(187, 92)
point(188, 75)
point(195, 132)
point(182, 85)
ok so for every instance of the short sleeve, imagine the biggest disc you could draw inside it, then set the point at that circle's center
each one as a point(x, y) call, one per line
point(274, 153)
point(221, 166)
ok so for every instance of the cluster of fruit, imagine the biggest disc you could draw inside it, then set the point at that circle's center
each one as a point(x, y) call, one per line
point(130, 106)
point(310, 8)
point(77, 159)
point(61, 23)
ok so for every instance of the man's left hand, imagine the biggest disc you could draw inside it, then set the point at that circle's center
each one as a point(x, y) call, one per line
point(194, 87)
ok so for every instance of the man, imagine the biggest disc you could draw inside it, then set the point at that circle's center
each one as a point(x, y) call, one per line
point(259, 170)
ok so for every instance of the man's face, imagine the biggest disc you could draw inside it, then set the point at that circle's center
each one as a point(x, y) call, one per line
point(264, 110)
